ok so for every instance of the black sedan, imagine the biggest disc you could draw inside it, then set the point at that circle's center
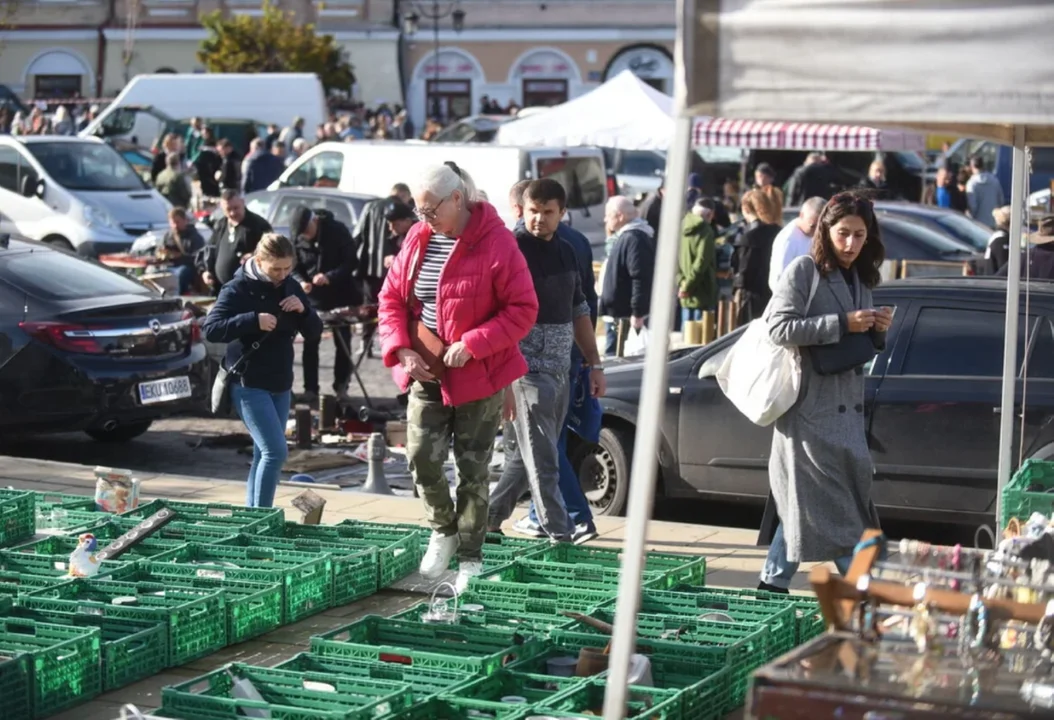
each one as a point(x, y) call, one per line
point(276, 206)
point(85, 348)
point(932, 404)
point(941, 220)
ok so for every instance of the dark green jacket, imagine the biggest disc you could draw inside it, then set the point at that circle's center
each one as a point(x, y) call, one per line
point(697, 267)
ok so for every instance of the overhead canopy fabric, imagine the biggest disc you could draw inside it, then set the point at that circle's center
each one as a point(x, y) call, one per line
point(722, 132)
point(967, 67)
point(624, 113)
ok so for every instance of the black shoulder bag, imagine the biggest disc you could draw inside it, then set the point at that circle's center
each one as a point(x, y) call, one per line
point(221, 386)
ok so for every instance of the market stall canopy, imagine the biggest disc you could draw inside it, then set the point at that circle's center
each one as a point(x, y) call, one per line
point(975, 68)
point(625, 112)
point(757, 134)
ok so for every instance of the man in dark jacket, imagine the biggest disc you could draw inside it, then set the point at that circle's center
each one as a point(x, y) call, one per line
point(400, 219)
point(263, 166)
point(817, 177)
point(233, 240)
point(230, 177)
point(626, 289)
point(325, 266)
point(208, 164)
point(179, 246)
point(371, 235)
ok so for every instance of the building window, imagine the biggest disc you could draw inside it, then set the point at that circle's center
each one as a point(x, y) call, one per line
point(544, 93)
point(58, 87)
point(449, 100)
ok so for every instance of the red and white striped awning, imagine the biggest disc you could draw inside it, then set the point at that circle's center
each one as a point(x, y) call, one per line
point(756, 134)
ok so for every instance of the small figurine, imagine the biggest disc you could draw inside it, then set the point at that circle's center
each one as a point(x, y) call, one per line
point(83, 562)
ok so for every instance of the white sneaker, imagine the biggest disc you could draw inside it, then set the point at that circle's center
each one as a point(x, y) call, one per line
point(467, 571)
point(441, 549)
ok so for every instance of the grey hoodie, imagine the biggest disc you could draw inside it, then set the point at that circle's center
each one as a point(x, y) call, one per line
point(983, 195)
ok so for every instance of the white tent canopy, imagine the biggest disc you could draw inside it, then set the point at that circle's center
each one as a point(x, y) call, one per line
point(624, 112)
point(978, 68)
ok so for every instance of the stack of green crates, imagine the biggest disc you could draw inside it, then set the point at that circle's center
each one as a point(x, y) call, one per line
point(59, 547)
point(57, 566)
point(254, 521)
point(399, 547)
point(306, 578)
point(196, 620)
point(18, 521)
point(490, 692)
point(670, 568)
point(425, 682)
point(46, 668)
point(1028, 492)
point(502, 612)
point(809, 618)
point(53, 509)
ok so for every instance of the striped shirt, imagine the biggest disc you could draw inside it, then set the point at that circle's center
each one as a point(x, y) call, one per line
point(427, 285)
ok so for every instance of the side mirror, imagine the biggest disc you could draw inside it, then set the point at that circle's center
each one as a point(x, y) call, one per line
point(31, 187)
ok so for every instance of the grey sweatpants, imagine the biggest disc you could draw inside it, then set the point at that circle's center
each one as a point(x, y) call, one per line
point(541, 404)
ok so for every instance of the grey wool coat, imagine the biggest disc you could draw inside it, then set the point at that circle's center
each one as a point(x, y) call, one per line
point(820, 468)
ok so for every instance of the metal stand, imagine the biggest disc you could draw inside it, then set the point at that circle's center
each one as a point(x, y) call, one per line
point(369, 328)
point(376, 483)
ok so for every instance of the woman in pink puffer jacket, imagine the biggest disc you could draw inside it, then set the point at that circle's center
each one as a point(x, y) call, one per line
point(459, 273)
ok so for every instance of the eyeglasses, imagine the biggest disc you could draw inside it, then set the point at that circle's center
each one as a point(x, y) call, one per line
point(429, 214)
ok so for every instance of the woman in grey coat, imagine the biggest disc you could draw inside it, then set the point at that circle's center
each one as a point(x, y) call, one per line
point(820, 467)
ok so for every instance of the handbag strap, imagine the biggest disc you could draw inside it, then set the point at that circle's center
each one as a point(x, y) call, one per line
point(247, 354)
point(812, 289)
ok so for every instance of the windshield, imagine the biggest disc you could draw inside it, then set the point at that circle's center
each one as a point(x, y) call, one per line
point(965, 229)
point(90, 166)
point(920, 235)
point(52, 275)
point(911, 162)
point(584, 178)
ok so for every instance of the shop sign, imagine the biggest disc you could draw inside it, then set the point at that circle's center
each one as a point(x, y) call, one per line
point(645, 63)
point(544, 64)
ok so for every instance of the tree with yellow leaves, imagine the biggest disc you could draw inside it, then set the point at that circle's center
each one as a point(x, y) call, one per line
point(273, 42)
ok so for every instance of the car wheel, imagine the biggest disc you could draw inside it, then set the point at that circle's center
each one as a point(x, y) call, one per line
point(603, 470)
point(121, 433)
point(59, 242)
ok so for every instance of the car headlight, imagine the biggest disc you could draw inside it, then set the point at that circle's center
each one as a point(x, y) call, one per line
point(97, 217)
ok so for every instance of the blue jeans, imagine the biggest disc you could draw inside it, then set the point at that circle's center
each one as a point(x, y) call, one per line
point(570, 487)
point(779, 571)
point(690, 315)
point(264, 414)
point(185, 276)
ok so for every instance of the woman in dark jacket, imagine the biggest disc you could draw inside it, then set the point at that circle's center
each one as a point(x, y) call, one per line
point(753, 253)
point(260, 312)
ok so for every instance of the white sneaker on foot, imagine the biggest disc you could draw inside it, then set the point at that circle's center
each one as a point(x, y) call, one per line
point(467, 571)
point(441, 549)
point(526, 526)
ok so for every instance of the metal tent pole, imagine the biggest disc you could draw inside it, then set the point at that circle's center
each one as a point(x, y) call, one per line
point(1008, 402)
point(654, 389)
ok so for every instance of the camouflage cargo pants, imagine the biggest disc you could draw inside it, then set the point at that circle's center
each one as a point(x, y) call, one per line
point(473, 427)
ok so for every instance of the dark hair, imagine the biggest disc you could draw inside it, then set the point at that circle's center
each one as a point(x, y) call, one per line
point(398, 188)
point(963, 177)
point(706, 203)
point(230, 194)
point(765, 169)
point(399, 211)
point(868, 262)
point(544, 190)
point(178, 213)
point(517, 191)
point(977, 161)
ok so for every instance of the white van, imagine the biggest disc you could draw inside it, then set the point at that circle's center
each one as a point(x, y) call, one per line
point(372, 168)
point(266, 98)
point(75, 193)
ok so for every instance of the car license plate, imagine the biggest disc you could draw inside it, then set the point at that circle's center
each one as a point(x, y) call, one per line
point(165, 390)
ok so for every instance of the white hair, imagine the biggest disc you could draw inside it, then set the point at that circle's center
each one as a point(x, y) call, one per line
point(442, 181)
point(814, 204)
point(300, 145)
point(622, 205)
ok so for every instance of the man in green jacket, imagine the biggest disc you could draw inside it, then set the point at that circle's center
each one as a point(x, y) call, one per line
point(697, 266)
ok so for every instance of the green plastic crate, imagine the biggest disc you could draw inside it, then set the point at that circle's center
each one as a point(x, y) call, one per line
point(487, 692)
point(1019, 501)
point(697, 655)
point(478, 611)
point(175, 531)
point(253, 521)
point(449, 647)
point(677, 568)
point(18, 519)
point(399, 547)
point(537, 572)
point(354, 566)
point(64, 545)
point(500, 550)
point(810, 622)
point(586, 699)
point(253, 608)
point(13, 584)
point(46, 668)
point(131, 650)
point(306, 578)
point(196, 619)
point(534, 599)
point(52, 509)
point(453, 709)
point(424, 681)
point(668, 610)
point(57, 566)
point(287, 695)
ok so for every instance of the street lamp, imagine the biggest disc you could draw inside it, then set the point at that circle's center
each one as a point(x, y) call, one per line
point(434, 12)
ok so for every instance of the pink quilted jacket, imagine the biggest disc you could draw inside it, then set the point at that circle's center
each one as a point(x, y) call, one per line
point(486, 300)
